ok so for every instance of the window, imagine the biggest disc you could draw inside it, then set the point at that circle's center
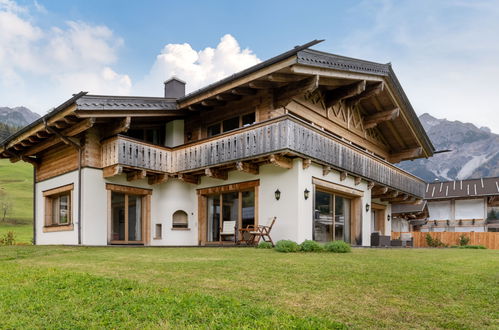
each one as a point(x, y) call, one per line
point(58, 207)
point(159, 231)
point(180, 220)
point(331, 217)
point(231, 124)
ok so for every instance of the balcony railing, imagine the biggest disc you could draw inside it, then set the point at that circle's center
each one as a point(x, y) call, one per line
point(283, 134)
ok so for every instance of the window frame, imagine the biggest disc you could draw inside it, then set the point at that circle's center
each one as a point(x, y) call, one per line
point(220, 125)
point(51, 219)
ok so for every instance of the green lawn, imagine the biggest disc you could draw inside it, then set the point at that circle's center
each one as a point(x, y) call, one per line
point(71, 287)
point(16, 188)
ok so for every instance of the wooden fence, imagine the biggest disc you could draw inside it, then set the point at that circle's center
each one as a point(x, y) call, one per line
point(488, 239)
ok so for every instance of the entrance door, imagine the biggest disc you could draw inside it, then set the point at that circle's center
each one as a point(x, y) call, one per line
point(331, 217)
point(126, 218)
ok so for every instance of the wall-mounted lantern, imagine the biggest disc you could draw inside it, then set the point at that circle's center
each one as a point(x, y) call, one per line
point(367, 207)
point(306, 193)
point(277, 194)
point(389, 217)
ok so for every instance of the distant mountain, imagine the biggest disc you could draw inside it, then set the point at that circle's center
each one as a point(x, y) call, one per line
point(18, 116)
point(12, 119)
point(475, 151)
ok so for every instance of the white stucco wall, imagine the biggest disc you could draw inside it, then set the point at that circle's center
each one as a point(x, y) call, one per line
point(470, 209)
point(174, 133)
point(60, 237)
point(439, 210)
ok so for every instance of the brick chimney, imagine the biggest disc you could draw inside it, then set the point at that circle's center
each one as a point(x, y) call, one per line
point(174, 88)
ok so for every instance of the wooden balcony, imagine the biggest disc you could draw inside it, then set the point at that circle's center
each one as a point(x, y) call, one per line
point(284, 135)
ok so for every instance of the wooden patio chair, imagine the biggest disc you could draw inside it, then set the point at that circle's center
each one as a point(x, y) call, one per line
point(260, 232)
point(228, 229)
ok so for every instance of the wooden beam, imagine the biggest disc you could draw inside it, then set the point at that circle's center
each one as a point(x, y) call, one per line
point(136, 175)
point(120, 126)
point(188, 178)
point(373, 120)
point(284, 95)
point(379, 191)
point(326, 170)
point(263, 84)
point(343, 175)
point(370, 185)
point(213, 103)
point(401, 198)
point(247, 167)
point(60, 124)
point(243, 91)
point(111, 171)
point(70, 131)
point(406, 154)
point(283, 77)
point(68, 140)
point(228, 97)
point(198, 107)
point(281, 161)
point(370, 91)
point(216, 173)
point(157, 179)
point(334, 96)
point(306, 163)
point(357, 180)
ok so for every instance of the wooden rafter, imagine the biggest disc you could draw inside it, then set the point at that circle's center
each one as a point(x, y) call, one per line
point(228, 97)
point(189, 178)
point(66, 139)
point(213, 103)
point(136, 175)
point(284, 95)
point(216, 173)
point(373, 120)
point(157, 179)
point(120, 126)
point(326, 170)
point(343, 175)
point(263, 84)
point(247, 167)
point(306, 163)
point(281, 161)
point(334, 96)
point(111, 171)
point(283, 77)
point(370, 91)
point(357, 180)
point(243, 91)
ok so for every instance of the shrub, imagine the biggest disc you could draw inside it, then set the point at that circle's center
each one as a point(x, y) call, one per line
point(264, 245)
point(434, 242)
point(311, 246)
point(8, 239)
point(463, 240)
point(287, 246)
point(480, 247)
point(338, 247)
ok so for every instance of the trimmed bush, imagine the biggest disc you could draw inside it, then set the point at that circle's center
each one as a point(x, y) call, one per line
point(338, 247)
point(480, 247)
point(311, 246)
point(463, 240)
point(264, 245)
point(287, 246)
point(434, 242)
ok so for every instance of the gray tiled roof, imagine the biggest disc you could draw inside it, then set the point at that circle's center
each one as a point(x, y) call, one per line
point(463, 188)
point(102, 102)
point(408, 208)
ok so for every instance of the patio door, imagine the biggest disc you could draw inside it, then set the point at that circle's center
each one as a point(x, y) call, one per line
point(128, 216)
point(233, 205)
point(331, 217)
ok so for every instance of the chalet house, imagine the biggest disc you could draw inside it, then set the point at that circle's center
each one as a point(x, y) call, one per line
point(307, 137)
point(452, 206)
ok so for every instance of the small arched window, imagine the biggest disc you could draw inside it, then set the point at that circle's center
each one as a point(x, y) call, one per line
point(180, 219)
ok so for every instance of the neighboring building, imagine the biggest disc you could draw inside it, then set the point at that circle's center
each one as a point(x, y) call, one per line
point(307, 136)
point(455, 206)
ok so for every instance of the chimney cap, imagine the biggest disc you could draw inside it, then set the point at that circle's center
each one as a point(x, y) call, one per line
point(174, 78)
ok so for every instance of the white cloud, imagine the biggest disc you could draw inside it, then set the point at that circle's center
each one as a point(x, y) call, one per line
point(40, 67)
point(445, 53)
point(197, 68)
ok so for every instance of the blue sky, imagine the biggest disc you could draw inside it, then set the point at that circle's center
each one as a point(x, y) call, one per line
point(445, 53)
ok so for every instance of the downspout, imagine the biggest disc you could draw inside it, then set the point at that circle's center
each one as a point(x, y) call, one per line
point(34, 205)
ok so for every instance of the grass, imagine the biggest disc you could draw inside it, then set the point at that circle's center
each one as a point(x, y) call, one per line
point(71, 287)
point(16, 187)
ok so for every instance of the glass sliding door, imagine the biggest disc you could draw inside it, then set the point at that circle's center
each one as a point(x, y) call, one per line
point(213, 228)
point(126, 218)
point(331, 217)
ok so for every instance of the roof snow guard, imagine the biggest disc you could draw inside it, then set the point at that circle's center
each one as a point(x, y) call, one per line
point(100, 102)
point(463, 188)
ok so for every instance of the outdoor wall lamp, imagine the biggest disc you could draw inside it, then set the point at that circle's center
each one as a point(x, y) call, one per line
point(389, 217)
point(277, 194)
point(367, 207)
point(306, 193)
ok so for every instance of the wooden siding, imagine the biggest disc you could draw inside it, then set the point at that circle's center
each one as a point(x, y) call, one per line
point(59, 160)
point(284, 134)
point(488, 239)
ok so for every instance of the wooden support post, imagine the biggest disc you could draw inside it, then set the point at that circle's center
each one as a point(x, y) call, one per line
point(188, 178)
point(306, 163)
point(343, 175)
point(112, 170)
point(373, 120)
point(216, 173)
point(281, 161)
point(326, 170)
point(157, 179)
point(136, 175)
point(247, 167)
